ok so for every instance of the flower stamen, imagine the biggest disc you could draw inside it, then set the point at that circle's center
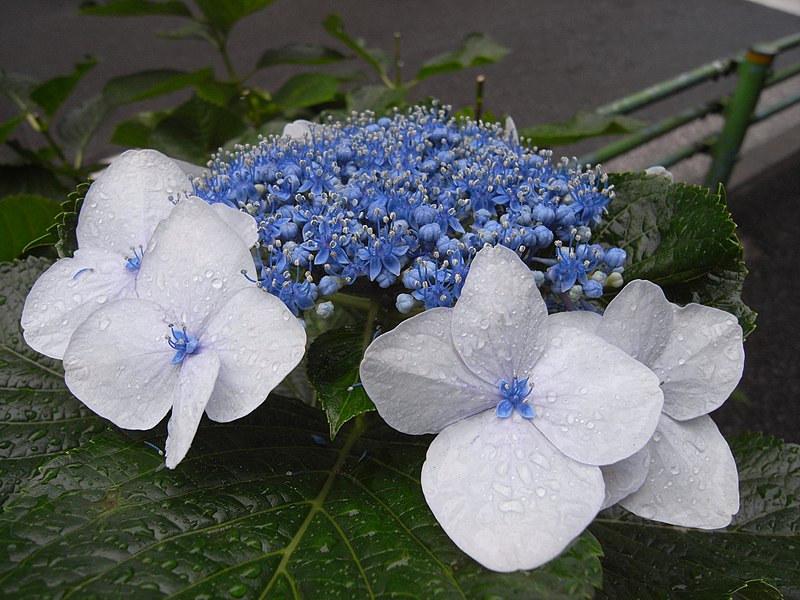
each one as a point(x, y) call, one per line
point(515, 395)
point(182, 342)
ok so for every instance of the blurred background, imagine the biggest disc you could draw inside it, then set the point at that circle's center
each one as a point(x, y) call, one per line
point(562, 58)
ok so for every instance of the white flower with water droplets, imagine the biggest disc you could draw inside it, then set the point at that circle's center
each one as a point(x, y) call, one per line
point(120, 212)
point(686, 474)
point(525, 411)
point(198, 337)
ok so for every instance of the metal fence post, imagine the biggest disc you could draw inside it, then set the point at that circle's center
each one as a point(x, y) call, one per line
point(753, 72)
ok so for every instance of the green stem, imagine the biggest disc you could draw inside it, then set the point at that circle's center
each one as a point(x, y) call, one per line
point(398, 61)
point(350, 301)
point(372, 313)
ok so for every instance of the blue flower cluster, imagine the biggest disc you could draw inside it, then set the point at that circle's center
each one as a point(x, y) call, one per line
point(405, 202)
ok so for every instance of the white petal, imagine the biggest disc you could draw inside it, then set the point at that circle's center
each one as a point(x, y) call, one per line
point(593, 402)
point(417, 380)
point(118, 363)
point(638, 320)
point(659, 172)
point(191, 171)
point(124, 205)
point(240, 221)
point(504, 494)
point(68, 292)
point(702, 362)
point(258, 341)
point(510, 130)
point(297, 129)
point(193, 264)
point(693, 481)
point(500, 320)
point(198, 373)
point(580, 319)
point(626, 476)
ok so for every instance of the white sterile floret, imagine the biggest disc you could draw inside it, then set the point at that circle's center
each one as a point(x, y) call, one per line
point(686, 474)
point(525, 412)
point(199, 337)
point(120, 212)
point(298, 129)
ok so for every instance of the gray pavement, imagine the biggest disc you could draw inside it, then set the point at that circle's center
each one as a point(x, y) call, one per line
point(566, 56)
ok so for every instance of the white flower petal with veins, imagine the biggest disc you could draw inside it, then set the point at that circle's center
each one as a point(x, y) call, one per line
point(702, 363)
point(120, 212)
point(227, 343)
point(420, 353)
point(692, 479)
point(256, 351)
point(118, 363)
point(593, 402)
point(124, 205)
point(505, 495)
point(697, 353)
point(195, 381)
point(626, 476)
point(528, 409)
point(499, 323)
point(68, 292)
point(640, 322)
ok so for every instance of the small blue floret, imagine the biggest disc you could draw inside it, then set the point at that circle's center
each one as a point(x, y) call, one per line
point(183, 343)
point(515, 394)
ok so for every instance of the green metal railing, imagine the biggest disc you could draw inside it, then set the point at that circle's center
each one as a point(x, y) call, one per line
point(754, 72)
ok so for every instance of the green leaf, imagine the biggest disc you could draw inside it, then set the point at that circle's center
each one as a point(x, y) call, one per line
point(757, 589)
point(23, 218)
point(81, 123)
point(192, 31)
point(224, 15)
point(136, 131)
point(30, 179)
point(680, 237)
point(377, 98)
point(648, 560)
point(194, 130)
point(51, 94)
point(306, 89)
point(299, 54)
point(581, 126)
point(375, 57)
point(217, 92)
point(66, 241)
point(149, 84)
point(476, 49)
point(7, 128)
point(260, 508)
point(125, 8)
point(333, 361)
point(17, 88)
point(39, 418)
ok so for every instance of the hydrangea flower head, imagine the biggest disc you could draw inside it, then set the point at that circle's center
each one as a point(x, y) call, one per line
point(525, 411)
point(409, 200)
point(196, 337)
point(686, 474)
point(120, 212)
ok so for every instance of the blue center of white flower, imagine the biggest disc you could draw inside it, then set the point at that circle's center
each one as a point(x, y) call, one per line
point(514, 395)
point(184, 343)
point(132, 263)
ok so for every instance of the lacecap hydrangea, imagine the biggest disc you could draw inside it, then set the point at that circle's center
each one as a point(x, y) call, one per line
point(406, 202)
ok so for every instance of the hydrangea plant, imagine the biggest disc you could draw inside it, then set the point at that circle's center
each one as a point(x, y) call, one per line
point(552, 394)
